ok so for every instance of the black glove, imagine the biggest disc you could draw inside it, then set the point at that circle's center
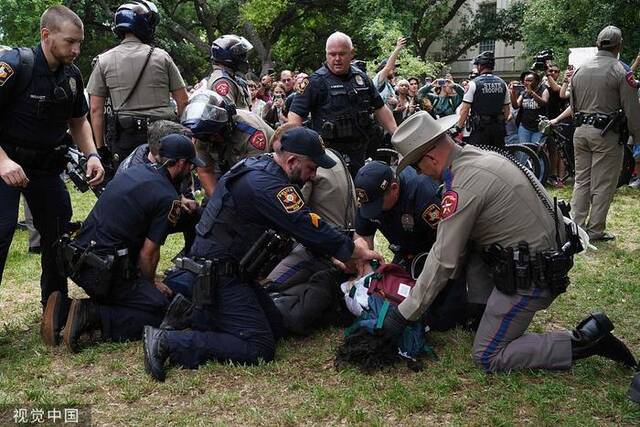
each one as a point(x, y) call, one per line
point(393, 325)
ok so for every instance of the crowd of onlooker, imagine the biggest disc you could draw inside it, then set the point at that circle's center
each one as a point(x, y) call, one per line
point(533, 95)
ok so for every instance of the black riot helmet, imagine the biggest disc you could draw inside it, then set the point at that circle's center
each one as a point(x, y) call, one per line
point(485, 59)
point(139, 17)
point(207, 114)
point(231, 51)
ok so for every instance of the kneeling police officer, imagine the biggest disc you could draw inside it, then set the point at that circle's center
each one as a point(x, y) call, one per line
point(239, 321)
point(499, 214)
point(115, 255)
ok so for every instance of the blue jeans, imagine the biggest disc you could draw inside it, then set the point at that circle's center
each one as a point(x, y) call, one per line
point(525, 135)
point(50, 205)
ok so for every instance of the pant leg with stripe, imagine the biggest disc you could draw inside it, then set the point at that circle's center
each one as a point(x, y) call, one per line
point(502, 344)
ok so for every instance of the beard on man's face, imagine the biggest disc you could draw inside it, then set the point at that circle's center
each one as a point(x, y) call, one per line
point(295, 176)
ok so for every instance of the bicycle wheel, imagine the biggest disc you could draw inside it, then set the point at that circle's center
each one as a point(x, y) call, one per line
point(526, 157)
point(628, 165)
point(545, 164)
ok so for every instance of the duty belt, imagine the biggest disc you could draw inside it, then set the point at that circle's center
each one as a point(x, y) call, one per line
point(597, 120)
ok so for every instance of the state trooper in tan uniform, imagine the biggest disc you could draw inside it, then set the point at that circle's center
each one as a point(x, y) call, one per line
point(517, 247)
point(224, 135)
point(229, 57)
point(599, 90)
point(138, 78)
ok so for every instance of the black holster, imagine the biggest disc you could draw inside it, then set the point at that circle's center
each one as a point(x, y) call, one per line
point(206, 279)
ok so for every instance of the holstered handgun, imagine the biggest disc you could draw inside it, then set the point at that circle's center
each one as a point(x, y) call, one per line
point(204, 286)
point(500, 261)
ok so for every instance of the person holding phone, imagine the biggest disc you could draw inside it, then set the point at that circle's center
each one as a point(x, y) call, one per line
point(273, 112)
point(444, 95)
point(532, 104)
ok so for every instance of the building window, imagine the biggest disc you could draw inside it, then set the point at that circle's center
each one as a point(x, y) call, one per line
point(488, 9)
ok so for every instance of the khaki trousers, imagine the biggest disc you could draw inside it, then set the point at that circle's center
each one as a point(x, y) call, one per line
point(598, 162)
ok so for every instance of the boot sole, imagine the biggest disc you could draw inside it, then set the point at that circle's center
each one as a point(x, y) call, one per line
point(69, 326)
point(147, 357)
point(49, 321)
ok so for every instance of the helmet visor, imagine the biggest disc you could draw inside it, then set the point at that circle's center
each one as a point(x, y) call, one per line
point(200, 109)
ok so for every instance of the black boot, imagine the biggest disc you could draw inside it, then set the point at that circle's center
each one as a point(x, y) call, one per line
point(83, 319)
point(592, 337)
point(634, 389)
point(54, 318)
point(156, 352)
point(178, 314)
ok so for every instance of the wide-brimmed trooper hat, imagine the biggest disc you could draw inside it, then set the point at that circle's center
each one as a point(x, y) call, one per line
point(417, 135)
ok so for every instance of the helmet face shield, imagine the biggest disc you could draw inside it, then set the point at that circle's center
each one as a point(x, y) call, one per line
point(205, 114)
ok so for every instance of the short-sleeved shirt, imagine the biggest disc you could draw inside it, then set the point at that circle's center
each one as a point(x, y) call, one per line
point(40, 113)
point(601, 86)
point(250, 137)
point(116, 71)
point(315, 93)
point(225, 83)
point(531, 110)
point(140, 203)
point(488, 99)
point(412, 222)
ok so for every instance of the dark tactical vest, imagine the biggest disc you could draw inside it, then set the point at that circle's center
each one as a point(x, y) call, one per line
point(222, 233)
point(488, 98)
point(347, 112)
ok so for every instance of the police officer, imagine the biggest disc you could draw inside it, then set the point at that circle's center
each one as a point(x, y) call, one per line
point(517, 244)
point(223, 135)
point(41, 98)
point(115, 256)
point(485, 104)
point(405, 209)
point(257, 194)
point(341, 98)
point(599, 89)
point(304, 286)
point(138, 78)
point(229, 57)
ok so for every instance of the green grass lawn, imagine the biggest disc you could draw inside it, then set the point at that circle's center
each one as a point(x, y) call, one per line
point(302, 386)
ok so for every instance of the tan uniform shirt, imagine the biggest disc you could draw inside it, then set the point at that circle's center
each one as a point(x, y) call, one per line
point(600, 86)
point(331, 194)
point(222, 81)
point(116, 71)
point(250, 137)
point(490, 201)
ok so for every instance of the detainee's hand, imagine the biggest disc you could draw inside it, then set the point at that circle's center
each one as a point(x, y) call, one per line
point(95, 171)
point(188, 205)
point(163, 288)
point(12, 174)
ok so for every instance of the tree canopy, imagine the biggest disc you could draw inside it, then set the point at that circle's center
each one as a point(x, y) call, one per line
point(287, 33)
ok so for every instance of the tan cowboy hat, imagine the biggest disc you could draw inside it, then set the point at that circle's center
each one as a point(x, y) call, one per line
point(418, 134)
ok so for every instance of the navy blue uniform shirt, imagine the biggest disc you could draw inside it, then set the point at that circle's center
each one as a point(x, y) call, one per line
point(263, 198)
point(315, 94)
point(41, 112)
point(413, 221)
point(137, 204)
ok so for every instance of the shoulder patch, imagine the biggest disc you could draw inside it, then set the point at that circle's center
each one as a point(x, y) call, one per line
point(174, 212)
point(222, 88)
point(290, 199)
point(6, 72)
point(361, 196)
point(449, 204)
point(259, 140)
point(359, 80)
point(431, 215)
point(631, 80)
point(302, 86)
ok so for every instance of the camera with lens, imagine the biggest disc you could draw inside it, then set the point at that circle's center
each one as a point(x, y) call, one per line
point(540, 60)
